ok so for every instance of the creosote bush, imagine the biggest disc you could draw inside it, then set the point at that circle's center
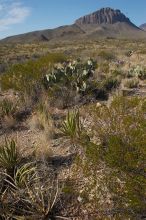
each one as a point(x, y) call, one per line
point(107, 55)
point(22, 77)
point(121, 132)
point(121, 129)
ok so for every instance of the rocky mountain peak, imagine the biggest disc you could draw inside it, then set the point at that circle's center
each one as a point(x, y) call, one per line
point(103, 16)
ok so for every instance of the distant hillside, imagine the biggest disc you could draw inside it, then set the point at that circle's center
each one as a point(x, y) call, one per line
point(63, 32)
point(143, 26)
point(103, 23)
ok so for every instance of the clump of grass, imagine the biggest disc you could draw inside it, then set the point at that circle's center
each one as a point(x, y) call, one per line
point(43, 153)
point(131, 83)
point(7, 108)
point(8, 111)
point(42, 120)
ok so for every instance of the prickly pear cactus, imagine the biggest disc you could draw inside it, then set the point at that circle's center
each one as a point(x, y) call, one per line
point(138, 71)
point(72, 73)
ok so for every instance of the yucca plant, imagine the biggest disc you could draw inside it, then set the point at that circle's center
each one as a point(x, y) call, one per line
point(72, 127)
point(9, 156)
point(24, 174)
point(34, 201)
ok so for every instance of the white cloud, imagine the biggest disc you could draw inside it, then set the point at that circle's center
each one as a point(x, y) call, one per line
point(12, 12)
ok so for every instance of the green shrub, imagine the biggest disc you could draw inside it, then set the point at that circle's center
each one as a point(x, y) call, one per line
point(23, 77)
point(106, 55)
point(122, 131)
point(129, 53)
point(114, 166)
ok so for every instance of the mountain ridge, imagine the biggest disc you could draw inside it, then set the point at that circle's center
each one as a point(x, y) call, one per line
point(103, 23)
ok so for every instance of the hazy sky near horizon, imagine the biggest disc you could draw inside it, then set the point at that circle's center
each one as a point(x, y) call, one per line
point(20, 16)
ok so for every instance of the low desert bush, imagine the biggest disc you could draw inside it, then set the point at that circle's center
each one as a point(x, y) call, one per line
point(110, 83)
point(128, 53)
point(117, 158)
point(121, 130)
point(23, 77)
point(106, 55)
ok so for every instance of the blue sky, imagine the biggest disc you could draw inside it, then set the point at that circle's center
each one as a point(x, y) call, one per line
point(20, 16)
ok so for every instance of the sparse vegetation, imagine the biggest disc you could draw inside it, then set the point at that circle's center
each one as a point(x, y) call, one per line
point(79, 149)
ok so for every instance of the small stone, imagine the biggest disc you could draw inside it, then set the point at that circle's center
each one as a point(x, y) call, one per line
point(80, 199)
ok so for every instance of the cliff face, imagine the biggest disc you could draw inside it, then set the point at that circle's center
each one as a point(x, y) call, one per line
point(103, 16)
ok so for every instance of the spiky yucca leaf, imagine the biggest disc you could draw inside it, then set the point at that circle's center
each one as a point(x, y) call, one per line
point(24, 174)
point(72, 125)
point(8, 156)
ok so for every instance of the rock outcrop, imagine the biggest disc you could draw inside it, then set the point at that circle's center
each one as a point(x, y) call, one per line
point(103, 16)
